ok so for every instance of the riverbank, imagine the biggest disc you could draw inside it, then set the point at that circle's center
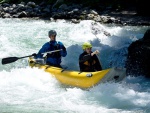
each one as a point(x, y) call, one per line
point(128, 17)
point(74, 13)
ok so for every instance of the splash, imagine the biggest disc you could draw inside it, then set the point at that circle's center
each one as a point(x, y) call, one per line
point(25, 89)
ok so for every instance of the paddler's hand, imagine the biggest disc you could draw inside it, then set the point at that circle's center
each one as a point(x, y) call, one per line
point(34, 54)
point(95, 53)
point(64, 49)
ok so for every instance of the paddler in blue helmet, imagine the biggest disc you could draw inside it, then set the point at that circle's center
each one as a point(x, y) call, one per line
point(59, 50)
point(88, 61)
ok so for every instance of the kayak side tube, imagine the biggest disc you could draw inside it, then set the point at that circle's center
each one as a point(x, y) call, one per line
point(115, 75)
point(80, 79)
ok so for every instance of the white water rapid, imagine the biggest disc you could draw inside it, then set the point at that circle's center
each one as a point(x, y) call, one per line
point(31, 90)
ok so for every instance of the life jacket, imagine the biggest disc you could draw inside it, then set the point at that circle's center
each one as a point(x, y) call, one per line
point(89, 65)
point(54, 47)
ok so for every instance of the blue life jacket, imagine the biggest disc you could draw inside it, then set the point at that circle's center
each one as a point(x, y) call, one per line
point(55, 57)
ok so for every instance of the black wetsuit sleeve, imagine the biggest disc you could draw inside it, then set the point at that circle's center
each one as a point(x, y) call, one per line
point(84, 58)
point(98, 66)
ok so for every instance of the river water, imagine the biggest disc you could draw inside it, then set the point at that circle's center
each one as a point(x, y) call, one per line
point(31, 90)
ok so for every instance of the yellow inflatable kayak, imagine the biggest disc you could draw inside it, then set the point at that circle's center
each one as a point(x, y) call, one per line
point(81, 79)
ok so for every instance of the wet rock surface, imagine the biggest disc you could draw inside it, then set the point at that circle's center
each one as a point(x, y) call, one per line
point(128, 17)
point(138, 59)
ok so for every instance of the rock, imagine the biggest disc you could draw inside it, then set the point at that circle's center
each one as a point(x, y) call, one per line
point(46, 9)
point(22, 14)
point(75, 21)
point(63, 7)
point(52, 19)
point(1, 8)
point(84, 12)
point(20, 5)
point(37, 10)
point(138, 59)
point(75, 11)
point(31, 4)
point(7, 15)
point(90, 16)
point(106, 19)
point(14, 6)
point(15, 16)
point(23, 3)
point(5, 5)
point(97, 19)
point(6, 9)
point(93, 12)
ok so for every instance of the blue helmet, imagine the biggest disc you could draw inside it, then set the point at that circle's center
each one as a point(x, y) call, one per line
point(52, 32)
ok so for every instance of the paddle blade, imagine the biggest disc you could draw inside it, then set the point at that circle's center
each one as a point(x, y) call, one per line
point(9, 60)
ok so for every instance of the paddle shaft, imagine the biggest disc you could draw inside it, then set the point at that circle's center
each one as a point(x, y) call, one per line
point(24, 56)
point(13, 59)
point(52, 51)
point(44, 54)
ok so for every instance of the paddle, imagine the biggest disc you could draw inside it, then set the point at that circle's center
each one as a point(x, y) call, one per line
point(44, 54)
point(13, 59)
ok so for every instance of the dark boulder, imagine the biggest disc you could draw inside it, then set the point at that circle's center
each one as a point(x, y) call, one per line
point(138, 59)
